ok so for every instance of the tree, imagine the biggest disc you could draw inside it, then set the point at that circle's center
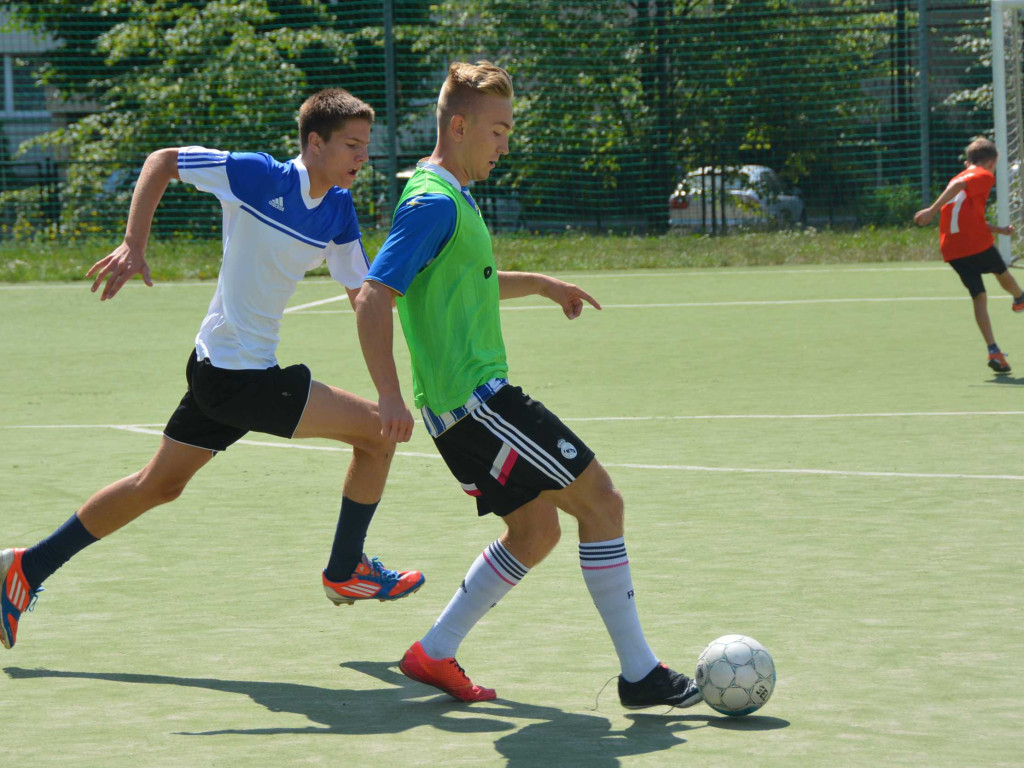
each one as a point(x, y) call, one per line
point(617, 98)
point(222, 73)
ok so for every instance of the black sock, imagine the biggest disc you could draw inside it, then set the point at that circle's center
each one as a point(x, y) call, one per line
point(353, 522)
point(42, 560)
point(993, 348)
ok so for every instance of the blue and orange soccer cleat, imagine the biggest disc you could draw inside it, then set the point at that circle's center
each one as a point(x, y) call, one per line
point(445, 674)
point(15, 595)
point(1018, 303)
point(372, 581)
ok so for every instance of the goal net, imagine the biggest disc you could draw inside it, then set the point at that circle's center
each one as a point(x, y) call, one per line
point(1007, 51)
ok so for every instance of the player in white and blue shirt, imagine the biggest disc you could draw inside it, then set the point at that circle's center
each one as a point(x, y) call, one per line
point(274, 232)
point(281, 219)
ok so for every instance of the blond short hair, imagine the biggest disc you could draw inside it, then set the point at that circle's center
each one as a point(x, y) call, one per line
point(466, 82)
point(326, 111)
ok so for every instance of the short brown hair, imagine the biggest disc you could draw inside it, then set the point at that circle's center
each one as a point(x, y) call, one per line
point(981, 150)
point(466, 81)
point(326, 111)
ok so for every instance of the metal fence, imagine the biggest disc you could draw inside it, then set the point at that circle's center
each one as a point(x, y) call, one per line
point(648, 116)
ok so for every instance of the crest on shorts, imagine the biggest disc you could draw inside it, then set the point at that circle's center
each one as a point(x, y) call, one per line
point(568, 449)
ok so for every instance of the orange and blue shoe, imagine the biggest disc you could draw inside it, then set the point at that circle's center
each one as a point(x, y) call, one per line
point(15, 596)
point(997, 362)
point(1018, 303)
point(444, 674)
point(372, 581)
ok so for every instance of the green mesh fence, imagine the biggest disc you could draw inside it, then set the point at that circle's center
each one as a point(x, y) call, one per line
point(646, 116)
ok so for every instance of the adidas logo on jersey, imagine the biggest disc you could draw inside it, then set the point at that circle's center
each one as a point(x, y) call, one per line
point(277, 202)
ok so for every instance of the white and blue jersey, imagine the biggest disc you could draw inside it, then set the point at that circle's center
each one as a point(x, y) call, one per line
point(422, 227)
point(274, 233)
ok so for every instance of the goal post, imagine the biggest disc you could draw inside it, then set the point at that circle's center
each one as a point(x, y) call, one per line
point(1007, 50)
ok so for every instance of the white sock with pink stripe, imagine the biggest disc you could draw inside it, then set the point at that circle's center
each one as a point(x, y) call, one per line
point(489, 579)
point(607, 575)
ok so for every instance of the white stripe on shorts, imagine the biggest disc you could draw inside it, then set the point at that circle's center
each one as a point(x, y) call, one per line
point(523, 445)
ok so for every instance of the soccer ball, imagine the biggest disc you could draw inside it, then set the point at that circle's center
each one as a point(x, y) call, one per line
point(736, 675)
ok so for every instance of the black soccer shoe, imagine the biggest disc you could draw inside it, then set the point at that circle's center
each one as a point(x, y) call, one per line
point(661, 688)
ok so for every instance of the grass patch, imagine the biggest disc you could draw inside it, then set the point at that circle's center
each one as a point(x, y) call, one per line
point(868, 533)
point(200, 259)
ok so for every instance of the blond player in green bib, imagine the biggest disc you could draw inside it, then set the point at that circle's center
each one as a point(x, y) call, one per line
point(507, 451)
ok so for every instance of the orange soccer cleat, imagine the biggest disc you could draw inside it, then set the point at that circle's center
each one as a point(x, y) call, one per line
point(444, 674)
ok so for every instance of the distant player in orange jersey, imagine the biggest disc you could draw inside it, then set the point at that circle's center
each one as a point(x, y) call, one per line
point(965, 238)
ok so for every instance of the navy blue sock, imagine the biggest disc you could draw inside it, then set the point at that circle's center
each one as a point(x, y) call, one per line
point(42, 560)
point(993, 348)
point(353, 522)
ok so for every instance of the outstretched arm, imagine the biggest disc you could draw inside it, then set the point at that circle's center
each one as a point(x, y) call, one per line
point(925, 215)
point(376, 327)
point(129, 258)
point(569, 297)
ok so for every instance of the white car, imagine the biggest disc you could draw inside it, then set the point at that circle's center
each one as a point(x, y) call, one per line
point(751, 196)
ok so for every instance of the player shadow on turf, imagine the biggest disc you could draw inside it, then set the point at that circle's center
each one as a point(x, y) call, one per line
point(329, 708)
point(1005, 378)
point(558, 738)
point(561, 738)
point(715, 720)
point(591, 742)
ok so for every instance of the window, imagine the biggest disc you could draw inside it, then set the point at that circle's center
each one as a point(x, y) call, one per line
point(28, 96)
point(22, 96)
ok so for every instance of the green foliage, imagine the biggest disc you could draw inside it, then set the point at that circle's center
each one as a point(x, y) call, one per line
point(220, 73)
point(658, 88)
point(890, 205)
point(616, 99)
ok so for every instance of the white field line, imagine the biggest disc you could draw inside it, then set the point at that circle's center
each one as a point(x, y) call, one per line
point(785, 416)
point(767, 270)
point(307, 305)
point(265, 444)
point(305, 309)
point(681, 272)
point(149, 430)
point(836, 472)
point(698, 417)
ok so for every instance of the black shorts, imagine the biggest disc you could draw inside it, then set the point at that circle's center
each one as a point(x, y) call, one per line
point(221, 405)
point(509, 449)
point(971, 268)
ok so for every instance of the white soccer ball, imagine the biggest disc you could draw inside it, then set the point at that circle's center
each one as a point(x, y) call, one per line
point(736, 675)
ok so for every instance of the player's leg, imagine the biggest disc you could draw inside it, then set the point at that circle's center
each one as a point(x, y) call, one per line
point(598, 508)
point(996, 357)
point(22, 571)
point(990, 261)
point(161, 481)
point(335, 414)
point(970, 270)
point(532, 531)
point(350, 576)
point(1009, 284)
point(981, 317)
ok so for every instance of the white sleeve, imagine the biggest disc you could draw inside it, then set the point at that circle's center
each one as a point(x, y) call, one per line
point(348, 263)
point(206, 169)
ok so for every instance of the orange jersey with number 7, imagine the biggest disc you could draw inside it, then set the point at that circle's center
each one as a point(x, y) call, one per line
point(963, 229)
